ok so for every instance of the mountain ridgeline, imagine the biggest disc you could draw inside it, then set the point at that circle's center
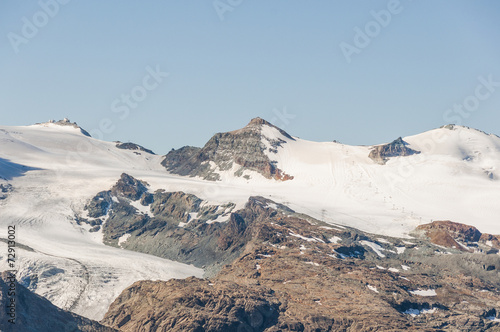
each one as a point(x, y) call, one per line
point(234, 151)
point(294, 235)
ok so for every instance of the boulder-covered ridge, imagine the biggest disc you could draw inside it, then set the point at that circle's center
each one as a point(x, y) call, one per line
point(238, 151)
point(397, 148)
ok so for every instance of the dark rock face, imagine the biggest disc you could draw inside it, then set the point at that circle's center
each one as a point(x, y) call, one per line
point(98, 208)
point(36, 314)
point(181, 228)
point(175, 205)
point(242, 147)
point(398, 148)
point(122, 220)
point(293, 274)
point(99, 205)
point(177, 225)
point(132, 146)
point(183, 161)
point(129, 187)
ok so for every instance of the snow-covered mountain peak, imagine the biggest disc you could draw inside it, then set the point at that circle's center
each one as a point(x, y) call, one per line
point(457, 142)
point(64, 123)
point(466, 128)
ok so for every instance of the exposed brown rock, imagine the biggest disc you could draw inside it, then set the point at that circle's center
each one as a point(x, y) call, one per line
point(495, 240)
point(193, 305)
point(129, 187)
point(312, 284)
point(446, 233)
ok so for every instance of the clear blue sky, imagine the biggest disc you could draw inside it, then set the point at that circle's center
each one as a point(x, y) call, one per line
point(262, 58)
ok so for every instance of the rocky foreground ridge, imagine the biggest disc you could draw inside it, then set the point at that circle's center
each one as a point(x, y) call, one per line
point(272, 269)
point(299, 274)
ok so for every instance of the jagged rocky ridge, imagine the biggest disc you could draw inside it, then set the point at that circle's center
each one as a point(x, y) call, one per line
point(397, 148)
point(172, 225)
point(34, 313)
point(239, 151)
point(271, 269)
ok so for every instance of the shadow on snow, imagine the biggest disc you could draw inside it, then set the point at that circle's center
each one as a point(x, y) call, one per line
point(10, 170)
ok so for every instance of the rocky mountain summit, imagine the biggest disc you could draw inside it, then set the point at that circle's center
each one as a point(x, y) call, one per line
point(236, 152)
point(397, 148)
point(66, 122)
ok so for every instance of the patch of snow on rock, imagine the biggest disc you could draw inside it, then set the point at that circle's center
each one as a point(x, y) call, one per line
point(123, 239)
point(424, 292)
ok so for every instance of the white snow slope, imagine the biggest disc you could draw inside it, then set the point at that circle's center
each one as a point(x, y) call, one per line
point(55, 170)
